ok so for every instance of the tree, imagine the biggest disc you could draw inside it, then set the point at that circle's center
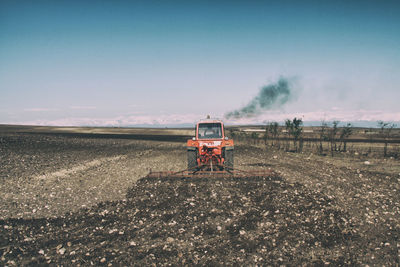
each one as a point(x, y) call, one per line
point(254, 136)
point(296, 131)
point(266, 135)
point(385, 129)
point(345, 132)
point(332, 136)
point(288, 126)
point(242, 136)
point(293, 128)
point(232, 133)
point(322, 136)
point(371, 135)
point(273, 130)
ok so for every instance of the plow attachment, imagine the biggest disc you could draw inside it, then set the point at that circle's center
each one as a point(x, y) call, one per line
point(210, 173)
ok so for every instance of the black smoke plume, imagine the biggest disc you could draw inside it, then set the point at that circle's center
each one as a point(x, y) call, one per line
point(269, 97)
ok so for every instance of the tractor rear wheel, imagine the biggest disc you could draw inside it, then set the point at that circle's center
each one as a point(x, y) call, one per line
point(229, 160)
point(192, 159)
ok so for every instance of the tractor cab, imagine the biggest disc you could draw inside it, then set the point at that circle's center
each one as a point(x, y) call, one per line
point(209, 130)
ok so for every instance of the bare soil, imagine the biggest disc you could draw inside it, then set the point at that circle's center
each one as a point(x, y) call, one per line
point(82, 200)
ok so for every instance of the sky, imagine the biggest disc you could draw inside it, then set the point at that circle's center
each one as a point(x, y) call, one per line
point(126, 63)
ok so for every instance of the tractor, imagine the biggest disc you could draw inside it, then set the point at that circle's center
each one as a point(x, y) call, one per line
point(209, 154)
point(210, 149)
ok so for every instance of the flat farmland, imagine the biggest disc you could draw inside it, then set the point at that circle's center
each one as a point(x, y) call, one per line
point(79, 196)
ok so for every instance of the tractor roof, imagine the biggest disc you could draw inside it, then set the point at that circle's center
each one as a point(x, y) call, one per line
point(210, 121)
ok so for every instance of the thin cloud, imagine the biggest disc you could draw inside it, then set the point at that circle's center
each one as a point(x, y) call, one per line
point(83, 107)
point(120, 121)
point(39, 109)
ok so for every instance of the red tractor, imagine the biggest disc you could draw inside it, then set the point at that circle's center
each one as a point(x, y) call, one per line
point(210, 154)
point(210, 149)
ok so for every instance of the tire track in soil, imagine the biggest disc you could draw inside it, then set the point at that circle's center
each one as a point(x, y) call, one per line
point(64, 173)
point(85, 184)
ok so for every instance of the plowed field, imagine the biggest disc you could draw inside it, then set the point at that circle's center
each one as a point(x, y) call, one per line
point(82, 200)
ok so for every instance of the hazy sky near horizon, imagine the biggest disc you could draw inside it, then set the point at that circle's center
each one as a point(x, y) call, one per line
point(134, 62)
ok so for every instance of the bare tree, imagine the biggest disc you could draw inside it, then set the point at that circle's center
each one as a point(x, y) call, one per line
point(254, 136)
point(345, 133)
point(332, 136)
point(385, 130)
point(296, 131)
point(273, 130)
point(266, 135)
point(242, 136)
point(322, 136)
point(232, 133)
point(288, 126)
point(371, 135)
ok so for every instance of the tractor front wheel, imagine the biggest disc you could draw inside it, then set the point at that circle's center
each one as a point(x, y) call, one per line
point(192, 159)
point(229, 158)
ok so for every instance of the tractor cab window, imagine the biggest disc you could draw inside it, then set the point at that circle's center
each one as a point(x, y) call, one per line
point(210, 130)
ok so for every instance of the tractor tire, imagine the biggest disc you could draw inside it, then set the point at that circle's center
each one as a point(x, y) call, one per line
point(229, 159)
point(192, 159)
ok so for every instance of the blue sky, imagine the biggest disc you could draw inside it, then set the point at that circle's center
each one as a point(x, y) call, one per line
point(170, 62)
